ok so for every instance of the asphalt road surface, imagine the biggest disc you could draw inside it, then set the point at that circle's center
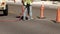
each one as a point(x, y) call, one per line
point(9, 25)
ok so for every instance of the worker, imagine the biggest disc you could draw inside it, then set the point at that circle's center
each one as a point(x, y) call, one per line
point(28, 8)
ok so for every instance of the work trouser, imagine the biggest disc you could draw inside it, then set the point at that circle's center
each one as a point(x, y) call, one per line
point(28, 10)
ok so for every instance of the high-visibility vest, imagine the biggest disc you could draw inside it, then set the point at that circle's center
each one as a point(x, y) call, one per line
point(28, 1)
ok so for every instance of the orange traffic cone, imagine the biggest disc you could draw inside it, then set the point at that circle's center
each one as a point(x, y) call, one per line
point(58, 16)
point(42, 12)
point(22, 12)
point(22, 9)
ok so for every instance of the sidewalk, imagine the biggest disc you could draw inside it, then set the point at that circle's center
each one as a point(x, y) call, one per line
point(46, 3)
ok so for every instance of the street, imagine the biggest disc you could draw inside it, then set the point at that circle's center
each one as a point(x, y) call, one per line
point(34, 26)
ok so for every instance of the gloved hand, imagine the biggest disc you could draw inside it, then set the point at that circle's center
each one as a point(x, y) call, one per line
point(25, 3)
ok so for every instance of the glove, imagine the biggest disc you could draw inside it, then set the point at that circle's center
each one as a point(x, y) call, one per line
point(25, 3)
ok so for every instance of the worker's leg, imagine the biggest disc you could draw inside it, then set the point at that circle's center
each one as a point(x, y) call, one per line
point(25, 14)
point(30, 12)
